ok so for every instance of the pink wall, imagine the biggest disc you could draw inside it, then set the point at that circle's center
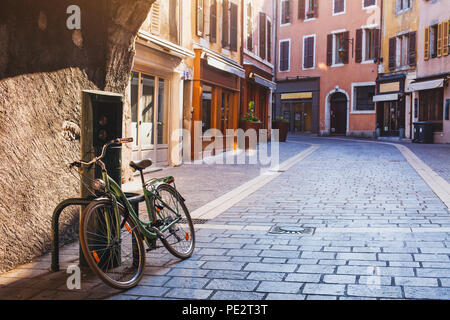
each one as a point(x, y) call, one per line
point(354, 18)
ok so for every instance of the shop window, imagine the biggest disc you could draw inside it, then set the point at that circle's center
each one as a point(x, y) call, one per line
point(206, 108)
point(364, 98)
point(431, 104)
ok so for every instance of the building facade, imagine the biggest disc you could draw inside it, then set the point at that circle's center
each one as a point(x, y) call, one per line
point(397, 68)
point(156, 88)
point(258, 59)
point(326, 71)
point(214, 35)
point(431, 91)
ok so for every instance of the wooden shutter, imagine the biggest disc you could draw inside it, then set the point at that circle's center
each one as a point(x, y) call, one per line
point(309, 52)
point(225, 24)
point(440, 40)
point(301, 9)
point(377, 41)
point(262, 35)
point(316, 8)
point(269, 41)
point(199, 18)
point(329, 50)
point(392, 52)
point(155, 19)
point(213, 21)
point(233, 26)
point(412, 50)
point(284, 56)
point(249, 27)
point(426, 54)
point(358, 45)
point(445, 38)
point(345, 59)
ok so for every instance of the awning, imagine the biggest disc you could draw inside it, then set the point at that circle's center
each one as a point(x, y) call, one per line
point(426, 85)
point(224, 66)
point(263, 81)
point(385, 97)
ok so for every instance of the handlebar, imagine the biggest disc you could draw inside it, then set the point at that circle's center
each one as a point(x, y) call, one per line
point(105, 146)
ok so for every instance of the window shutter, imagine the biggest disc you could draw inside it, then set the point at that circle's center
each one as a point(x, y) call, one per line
point(233, 26)
point(262, 35)
point(316, 8)
point(213, 21)
point(338, 6)
point(249, 27)
point(358, 45)
point(392, 52)
point(445, 40)
point(346, 47)
point(154, 18)
point(284, 56)
point(309, 50)
point(329, 50)
point(412, 50)
point(269, 41)
point(426, 54)
point(440, 40)
point(225, 24)
point(301, 9)
point(200, 19)
point(377, 40)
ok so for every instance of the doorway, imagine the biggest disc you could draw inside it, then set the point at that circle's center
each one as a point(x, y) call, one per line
point(149, 118)
point(299, 115)
point(338, 113)
point(392, 118)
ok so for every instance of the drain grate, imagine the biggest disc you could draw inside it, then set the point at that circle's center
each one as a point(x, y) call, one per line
point(292, 230)
point(195, 221)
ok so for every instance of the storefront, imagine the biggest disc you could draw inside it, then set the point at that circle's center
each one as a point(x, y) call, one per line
point(432, 104)
point(215, 102)
point(390, 101)
point(298, 102)
point(156, 97)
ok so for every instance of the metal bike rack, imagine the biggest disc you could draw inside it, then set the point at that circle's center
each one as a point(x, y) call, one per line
point(133, 198)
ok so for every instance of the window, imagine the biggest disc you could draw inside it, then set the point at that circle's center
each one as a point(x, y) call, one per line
point(206, 108)
point(311, 9)
point(434, 41)
point(308, 52)
point(369, 3)
point(370, 52)
point(338, 6)
point(284, 55)
point(249, 26)
point(403, 5)
point(285, 11)
point(262, 35)
point(338, 57)
point(199, 18)
point(363, 98)
point(402, 51)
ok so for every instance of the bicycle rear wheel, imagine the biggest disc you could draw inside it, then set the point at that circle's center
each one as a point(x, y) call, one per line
point(179, 238)
point(115, 253)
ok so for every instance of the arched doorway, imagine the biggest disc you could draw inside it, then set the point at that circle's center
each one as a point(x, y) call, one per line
point(338, 114)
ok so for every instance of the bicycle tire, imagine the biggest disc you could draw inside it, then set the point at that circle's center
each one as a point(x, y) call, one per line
point(183, 238)
point(100, 258)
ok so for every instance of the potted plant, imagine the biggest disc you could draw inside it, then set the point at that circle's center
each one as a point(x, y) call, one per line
point(281, 124)
point(250, 121)
point(310, 14)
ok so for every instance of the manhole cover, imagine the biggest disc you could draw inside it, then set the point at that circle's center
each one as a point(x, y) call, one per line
point(291, 230)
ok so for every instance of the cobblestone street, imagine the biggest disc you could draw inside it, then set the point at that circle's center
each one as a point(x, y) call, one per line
point(378, 231)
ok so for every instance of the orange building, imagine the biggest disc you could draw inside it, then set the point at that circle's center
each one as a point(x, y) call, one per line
point(326, 65)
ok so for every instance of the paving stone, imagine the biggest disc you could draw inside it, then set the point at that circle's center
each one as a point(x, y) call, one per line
point(395, 257)
point(234, 285)
point(147, 291)
point(179, 272)
point(416, 281)
point(303, 277)
point(334, 278)
point(324, 289)
point(270, 267)
point(280, 287)
point(189, 294)
point(184, 282)
point(319, 297)
point(377, 291)
point(237, 295)
point(223, 265)
point(356, 256)
point(316, 269)
point(285, 296)
point(432, 272)
point(280, 254)
point(227, 274)
point(427, 293)
point(269, 276)
point(431, 257)
point(244, 252)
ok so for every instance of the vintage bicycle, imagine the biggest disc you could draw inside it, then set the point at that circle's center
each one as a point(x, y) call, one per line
point(111, 233)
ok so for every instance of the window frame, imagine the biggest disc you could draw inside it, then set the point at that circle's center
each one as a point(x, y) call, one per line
point(354, 97)
point(307, 3)
point(281, 13)
point(333, 60)
point(372, 29)
point(402, 9)
point(334, 13)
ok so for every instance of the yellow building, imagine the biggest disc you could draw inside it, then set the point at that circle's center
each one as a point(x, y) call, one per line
point(397, 67)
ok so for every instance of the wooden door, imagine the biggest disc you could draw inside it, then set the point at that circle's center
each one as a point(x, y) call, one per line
point(338, 114)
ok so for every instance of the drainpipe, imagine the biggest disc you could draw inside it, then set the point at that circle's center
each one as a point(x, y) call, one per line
point(275, 52)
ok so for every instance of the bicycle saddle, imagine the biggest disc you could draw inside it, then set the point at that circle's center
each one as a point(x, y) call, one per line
point(141, 165)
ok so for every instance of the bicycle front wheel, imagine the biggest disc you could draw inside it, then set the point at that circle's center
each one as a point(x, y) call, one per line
point(179, 238)
point(113, 248)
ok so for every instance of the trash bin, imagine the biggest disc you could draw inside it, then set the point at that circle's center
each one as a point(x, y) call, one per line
point(423, 132)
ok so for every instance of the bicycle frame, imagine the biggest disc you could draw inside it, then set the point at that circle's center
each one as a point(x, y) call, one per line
point(114, 191)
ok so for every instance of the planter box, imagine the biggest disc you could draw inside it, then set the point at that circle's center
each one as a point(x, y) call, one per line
point(246, 125)
point(283, 126)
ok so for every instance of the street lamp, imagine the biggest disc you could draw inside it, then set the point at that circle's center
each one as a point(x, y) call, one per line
point(341, 51)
